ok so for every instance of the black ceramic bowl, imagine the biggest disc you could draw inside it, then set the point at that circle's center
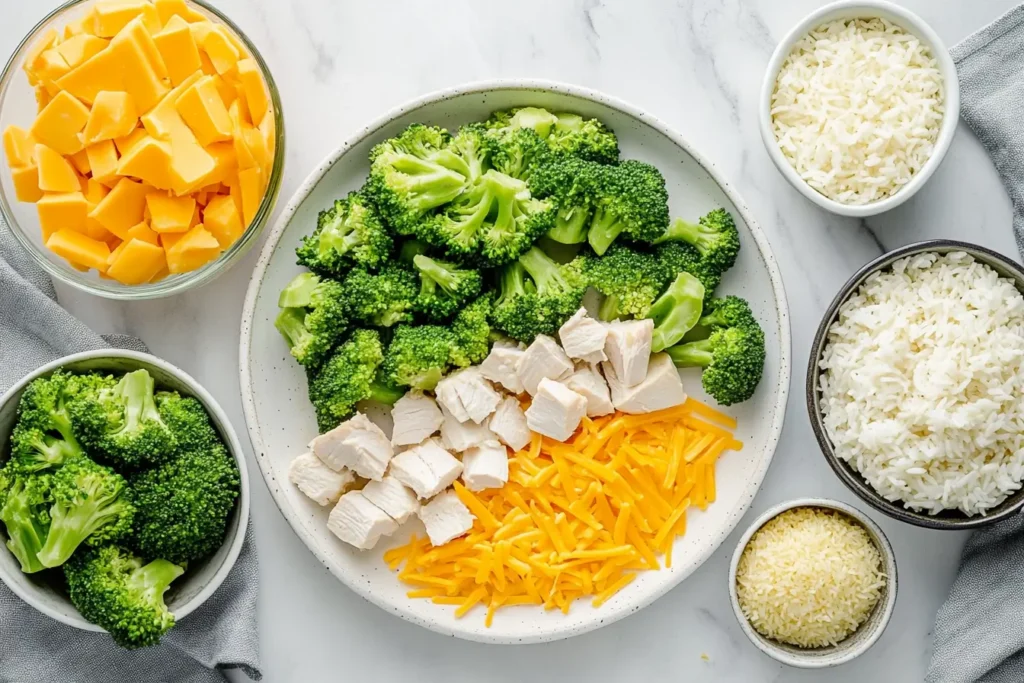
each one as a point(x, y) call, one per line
point(948, 519)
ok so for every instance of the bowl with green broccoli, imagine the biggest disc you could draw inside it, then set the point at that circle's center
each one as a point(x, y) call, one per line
point(123, 493)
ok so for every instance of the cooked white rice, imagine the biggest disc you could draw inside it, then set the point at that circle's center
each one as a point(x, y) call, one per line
point(857, 108)
point(923, 383)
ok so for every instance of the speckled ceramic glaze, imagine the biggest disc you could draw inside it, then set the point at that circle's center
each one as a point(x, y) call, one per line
point(281, 421)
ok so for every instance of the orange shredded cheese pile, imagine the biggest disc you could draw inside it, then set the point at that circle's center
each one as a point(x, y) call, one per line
point(576, 519)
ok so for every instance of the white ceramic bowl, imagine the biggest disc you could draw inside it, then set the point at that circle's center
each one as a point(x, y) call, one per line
point(281, 420)
point(202, 578)
point(853, 9)
point(858, 642)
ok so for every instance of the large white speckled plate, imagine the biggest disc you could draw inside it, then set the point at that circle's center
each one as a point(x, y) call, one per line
point(281, 421)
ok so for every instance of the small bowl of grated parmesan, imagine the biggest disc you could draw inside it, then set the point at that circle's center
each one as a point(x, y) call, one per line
point(813, 583)
point(859, 105)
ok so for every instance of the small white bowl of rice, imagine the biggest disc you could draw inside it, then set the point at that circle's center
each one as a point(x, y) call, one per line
point(813, 583)
point(859, 105)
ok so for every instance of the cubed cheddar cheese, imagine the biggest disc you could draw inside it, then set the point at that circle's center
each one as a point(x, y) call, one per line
point(56, 174)
point(168, 9)
point(251, 183)
point(137, 31)
point(100, 72)
point(103, 162)
point(80, 160)
point(143, 232)
point(203, 110)
point(42, 97)
point(163, 119)
point(122, 208)
point(60, 122)
point(194, 249)
point(62, 211)
point(116, 252)
point(126, 143)
point(221, 49)
point(26, 183)
point(78, 48)
point(113, 115)
point(150, 162)
point(19, 146)
point(255, 91)
point(136, 262)
point(95, 191)
point(178, 49)
point(227, 91)
point(111, 16)
point(48, 40)
point(79, 249)
point(222, 219)
point(85, 25)
point(139, 78)
point(50, 66)
point(169, 214)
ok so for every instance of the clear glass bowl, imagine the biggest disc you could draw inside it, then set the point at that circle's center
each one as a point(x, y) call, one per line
point(18, 106)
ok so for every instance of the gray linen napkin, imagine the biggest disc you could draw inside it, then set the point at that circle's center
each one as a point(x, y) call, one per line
point(979, 631)
point(221, 634)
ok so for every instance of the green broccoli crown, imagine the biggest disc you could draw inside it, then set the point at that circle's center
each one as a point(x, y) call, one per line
point(345, 378)
point(312, 318)
point(444, 287)
point(184, 504)
point(188, 420)
point(732, 358)
point(91, 503)
point(349, 233)
point(569, 184)
point(728, 311)
point(538, 295)
point(584, 138)
point(120, 423)
point(472, 332)
point(676, 311)
point(43, 436)
point(629, 199)
point(471, 147)
point(418, 356)
point(682, 257)
point(630, 280)
point(113, 589)
point(383, 299)
point(25, 501)
point(715, 237)
point(517, 152)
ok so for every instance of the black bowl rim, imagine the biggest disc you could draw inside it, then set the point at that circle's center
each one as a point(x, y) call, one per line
point(947, 520)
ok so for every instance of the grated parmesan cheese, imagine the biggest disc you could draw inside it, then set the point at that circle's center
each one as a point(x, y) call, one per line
point(809, 577)
point(857, 108)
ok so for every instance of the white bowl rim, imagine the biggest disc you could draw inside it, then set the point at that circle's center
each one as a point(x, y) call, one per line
point(612, 613)
point(234, 446)
point(950, 119)
point(888, 559)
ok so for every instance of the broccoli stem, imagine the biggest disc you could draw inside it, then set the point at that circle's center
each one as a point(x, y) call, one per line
point(291, 322)
point(696, 354)
point(676, 311)
point(26, 533)
point(570, 226)
point(410, 250)
point(513, 282)
point(299, 292)
point(438, 273)
point(604, 228)
point(139, 406)
point(609, 309)
point(152, 580)
point(70, 526)
point(544, 271)
point(693, 233)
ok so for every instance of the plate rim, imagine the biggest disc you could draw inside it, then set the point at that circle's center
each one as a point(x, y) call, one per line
point(611, 613)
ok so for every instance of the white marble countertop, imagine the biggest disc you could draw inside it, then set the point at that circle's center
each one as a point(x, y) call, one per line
point(696, 64)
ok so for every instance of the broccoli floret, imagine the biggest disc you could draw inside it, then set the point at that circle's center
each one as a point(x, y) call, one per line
point(410, 249)
point(187, 419)
point(728, 311)
point(676, 311)
point(25, 501)
point(470, 146)
point(629, 279)
point(472, 332)
point(715, 237)
point(43, 437)
point(517, 152)
point(444, 287)
point(346, 378)
point(414, 173)
point(565, 134)
point(418, 356)
point(628, 199)
point(537, 295)
point(184, 504)
point(681, 257)
point(91, 503)
point(541, 121)
point(120, 422)
point(383, 299)
point(349, 233)
point(571, 184)
point(312, 317)
point(732, 359)
point(113, 589)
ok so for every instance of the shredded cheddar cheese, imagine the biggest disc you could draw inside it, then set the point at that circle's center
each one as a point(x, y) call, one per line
point(576, 519)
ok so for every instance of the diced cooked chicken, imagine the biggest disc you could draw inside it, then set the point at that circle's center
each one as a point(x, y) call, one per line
point(588, 382)
point(416, 418)
point(477, 394)
point(427, 468)
point(447, 395)
point(445, 518)
point(509, 424)
point(500, 365)
point(544, 358)
point(318, 481)
point(359, 522)
point(458, 436)
point(393, 497)
point(556, 410)
point(628, 347)
point(661, 389)
point(485, 466)
point(357, 444)
point(583, 337)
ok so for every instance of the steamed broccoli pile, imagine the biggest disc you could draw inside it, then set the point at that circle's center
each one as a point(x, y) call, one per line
point(119, 486)
point(496, 229)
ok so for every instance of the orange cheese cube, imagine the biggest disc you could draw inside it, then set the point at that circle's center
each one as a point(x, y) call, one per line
point(178, 49)
point(221, 218)
point(167, 9)
point(193, 249)
point(200, 30)
point(163, 119)
point(121, 244)
point(55, 172)
point(227, 91)
point(95, 191)
point(255, 91)
point(125, 144)
point(113, 115)
point(64, 211)
point(48, 40)
point(26, 183)
point(143, 232)
point(80, 160)
point(42, 97)
point(60, 122)
point(79, 48)
point(103, 161)
point(138, 76)
point(122, 209)
point(50, 66)
point(257, 147)
point(94, 194)
point(225, 163)
point(102, 71)
point(169, 239)
point(85, 25)
point(148, 161)
point(203, 110)
point(243, 154)
point(221, 49)
point(251, 183)
point(197, 218)
point(137, 261)
point(19, 146)
point(138, 32)
point(113, 15)
point(79, 249)
point(268, 129)
point(169, 214)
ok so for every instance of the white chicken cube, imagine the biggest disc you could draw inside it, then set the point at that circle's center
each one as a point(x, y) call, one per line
point(628, 347)
point(359, 522)
point(393, 497)
point(357, 444)
point(478, 397)
point(588, 382)
point(544, 358)
point(661, 389)
point(509, 424)
point(427, 468)
point(556, 410)
point(318, 481)
point(485, 466)
point(446, 518)
point(447, 395)
point(583, 337)
point(416, 418)
point(458, 436)
point(500, 365)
